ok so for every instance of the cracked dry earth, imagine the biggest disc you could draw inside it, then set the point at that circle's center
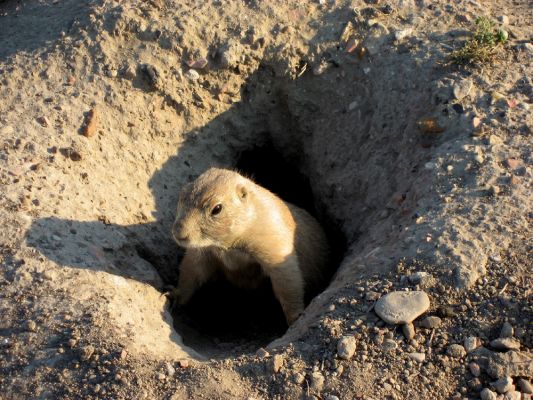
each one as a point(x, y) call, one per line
point(418, 169)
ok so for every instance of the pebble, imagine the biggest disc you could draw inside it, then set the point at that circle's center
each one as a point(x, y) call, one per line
point(372, 296)
point(331, 397)
point(170, 369)
point(418, 357)
point(431, 322)
point(513, 163)
point(408, 331)
point(262, 353)
point(487, 394)
point(183, 363)
point(86, 352)
point(503, 19)
point(475, 369)
point(31, 326)
point(298, 378)
point(346, 347)
point(376, 37)
point(420, 277)
point(277, 363)
point(507, 330)
point(512, 395)
point(430, 125)
point(192, 75)
point(151, 74)
point(401, 307)
point(317, 381)
point(471, 343)
point(44, 121)
point(505, 343)
point(89, 127)
point(462, 88)
point(525, 386)
point(161, 376)
point(197, 64)
point(389, 345)
point(503, 385)
point(456, 351)
point(402, 34)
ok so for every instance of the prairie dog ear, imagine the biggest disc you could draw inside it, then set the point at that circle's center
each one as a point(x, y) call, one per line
point(242, 192)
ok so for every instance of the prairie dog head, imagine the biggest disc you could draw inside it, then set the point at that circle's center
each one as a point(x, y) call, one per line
point(214, 210)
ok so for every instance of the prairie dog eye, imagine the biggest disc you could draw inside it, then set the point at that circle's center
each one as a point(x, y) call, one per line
point(216, 209)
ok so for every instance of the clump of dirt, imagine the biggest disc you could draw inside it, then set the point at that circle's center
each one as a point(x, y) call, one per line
point(347, 109)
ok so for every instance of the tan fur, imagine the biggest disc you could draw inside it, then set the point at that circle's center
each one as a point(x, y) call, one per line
point(255, 235)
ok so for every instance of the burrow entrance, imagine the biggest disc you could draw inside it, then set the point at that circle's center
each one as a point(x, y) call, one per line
point(221, 319)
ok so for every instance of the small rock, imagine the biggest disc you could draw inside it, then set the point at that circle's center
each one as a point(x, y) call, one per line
point(317, 381)
point(276, 363)
point(503, 19)
point(346, 347)
point(170, 369)
point(446, 311)
point(487, 394)
point(505, 343)
point(507, 330)
point(402, 34)
point(44, 121)
point(511, 363)
point(408, 331)
point(372, 296)
point(525, 386)
point(418, 357)
point(71, 343)
point(420, 277)
point(192, 75)
point(31, 326)
point(503, 385)
point(262, 353)
point(401, 307)
point(298, 378)
point(331, 397)
point(389, 345)
point(513, 163)
point(430, 125)
point(89, 127)
point(456, 351)
point(376, 37)
point(197, 64)
point(471, 343)
point(513, 395)
point(183, 363)
point(161, 376)
point(475, 385)
point(86, 352)
point(431, 322)
point(475, 369)
point(462, 88)
point(151, 75)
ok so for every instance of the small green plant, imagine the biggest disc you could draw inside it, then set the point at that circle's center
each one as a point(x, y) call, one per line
point(483, 46)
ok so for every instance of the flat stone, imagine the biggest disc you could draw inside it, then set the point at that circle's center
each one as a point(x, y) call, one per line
point(401, 307)
point(277, 363)
point(512, 363)
point(431, 322)
point(487, 394)
point(346, 347)
point(456, 351)
point(503, 385)
point(418, 357)
point(505, 343)
point(475, 369)
point(317, 381)
point(462, 88)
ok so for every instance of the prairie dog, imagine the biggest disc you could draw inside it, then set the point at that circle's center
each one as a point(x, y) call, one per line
point(229, 224)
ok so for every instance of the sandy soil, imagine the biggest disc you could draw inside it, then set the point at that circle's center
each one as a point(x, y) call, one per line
point(419, 170)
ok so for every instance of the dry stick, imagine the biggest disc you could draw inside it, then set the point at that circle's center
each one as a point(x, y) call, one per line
point(431, 337)
point(503, 288)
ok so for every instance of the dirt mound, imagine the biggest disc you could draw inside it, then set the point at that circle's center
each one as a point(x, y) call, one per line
point(348, 109)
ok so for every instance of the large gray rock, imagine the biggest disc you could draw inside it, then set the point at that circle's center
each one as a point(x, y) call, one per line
point(402, 307)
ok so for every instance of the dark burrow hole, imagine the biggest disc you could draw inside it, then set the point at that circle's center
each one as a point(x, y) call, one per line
point(221, 320)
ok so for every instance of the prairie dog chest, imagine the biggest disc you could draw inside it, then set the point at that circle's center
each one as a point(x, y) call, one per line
point(234, 260)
